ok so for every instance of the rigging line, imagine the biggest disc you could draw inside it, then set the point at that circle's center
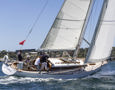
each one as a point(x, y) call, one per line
point(35, 22)
point(42, 10)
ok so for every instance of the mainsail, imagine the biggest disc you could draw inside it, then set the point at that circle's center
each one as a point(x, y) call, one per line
point(67, 27)
point(104, 38)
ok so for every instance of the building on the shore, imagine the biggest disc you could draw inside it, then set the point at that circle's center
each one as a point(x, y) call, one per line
point(26, 50)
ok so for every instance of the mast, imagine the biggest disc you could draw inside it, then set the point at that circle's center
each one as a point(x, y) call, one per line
point(83, 29)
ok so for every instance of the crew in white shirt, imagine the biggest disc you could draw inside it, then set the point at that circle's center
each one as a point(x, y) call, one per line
point(37, 63)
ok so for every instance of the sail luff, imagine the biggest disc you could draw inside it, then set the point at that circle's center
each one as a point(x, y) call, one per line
point(83, 29)
point(45, 41)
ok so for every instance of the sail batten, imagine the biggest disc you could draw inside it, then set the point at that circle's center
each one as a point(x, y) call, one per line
point(67, 27)
point(70, 19)
point(104, 38)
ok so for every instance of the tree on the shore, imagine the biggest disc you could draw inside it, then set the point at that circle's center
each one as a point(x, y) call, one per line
point(2, 53)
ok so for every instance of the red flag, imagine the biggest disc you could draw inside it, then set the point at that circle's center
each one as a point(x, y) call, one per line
point(22, 42)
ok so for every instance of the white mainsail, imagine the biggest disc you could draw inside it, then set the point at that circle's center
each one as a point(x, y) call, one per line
point(104, 38)
point(67, 27)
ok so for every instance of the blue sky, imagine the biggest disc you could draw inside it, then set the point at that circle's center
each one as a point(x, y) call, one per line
point(18, 16)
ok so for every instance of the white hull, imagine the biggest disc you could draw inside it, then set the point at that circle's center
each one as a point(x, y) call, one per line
point(88, 70)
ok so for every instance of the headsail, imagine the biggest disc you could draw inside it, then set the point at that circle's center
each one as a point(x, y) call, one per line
point(103, 40)
point(67, 27)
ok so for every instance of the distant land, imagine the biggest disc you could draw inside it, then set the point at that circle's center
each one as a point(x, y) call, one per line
point(34, 53)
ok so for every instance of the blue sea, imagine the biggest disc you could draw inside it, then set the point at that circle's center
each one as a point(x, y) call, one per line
point(102, 80)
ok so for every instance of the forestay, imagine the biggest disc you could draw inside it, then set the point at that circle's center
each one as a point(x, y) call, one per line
point(67, 27)
point(104, 39)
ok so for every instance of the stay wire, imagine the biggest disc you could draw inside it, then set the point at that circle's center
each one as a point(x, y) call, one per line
point(42, 10)
point(37, 19)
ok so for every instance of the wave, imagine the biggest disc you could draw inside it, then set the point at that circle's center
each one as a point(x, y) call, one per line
point(107, 73)
point(4, 80)
point(14, 79)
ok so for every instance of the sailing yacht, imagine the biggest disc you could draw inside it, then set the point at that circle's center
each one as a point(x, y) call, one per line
point(67, 33)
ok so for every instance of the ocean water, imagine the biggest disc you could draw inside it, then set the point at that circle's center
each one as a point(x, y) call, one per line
point(102, 80)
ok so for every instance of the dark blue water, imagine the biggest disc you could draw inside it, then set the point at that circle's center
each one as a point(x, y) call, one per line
point(103, 80)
